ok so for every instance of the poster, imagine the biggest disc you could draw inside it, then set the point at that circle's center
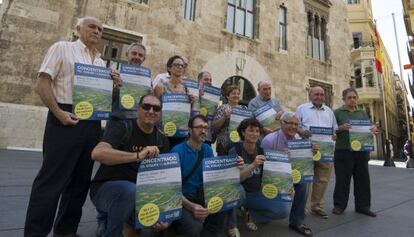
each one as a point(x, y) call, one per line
point(92, 92)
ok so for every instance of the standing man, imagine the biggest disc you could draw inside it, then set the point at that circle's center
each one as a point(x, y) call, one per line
point(135, 55)
point(165, 77)
point(191, 152)
point(351, 164)
point(204, 78)
point(316, 114)
point(265, 97)
point(124, 145)
point(68, 142)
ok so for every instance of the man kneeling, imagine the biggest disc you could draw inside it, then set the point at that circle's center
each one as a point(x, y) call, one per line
point(123, 146)
point(195, 215)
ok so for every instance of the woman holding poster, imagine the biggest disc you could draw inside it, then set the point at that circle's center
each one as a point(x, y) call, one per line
point(351, 159)
point(178, 117)
point(221, 119)
point(257, 208)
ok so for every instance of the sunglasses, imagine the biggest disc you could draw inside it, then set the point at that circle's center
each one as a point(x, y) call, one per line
point(147, 107)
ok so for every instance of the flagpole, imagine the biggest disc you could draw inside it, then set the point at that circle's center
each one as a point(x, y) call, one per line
point(402, 77)
point(382, 81)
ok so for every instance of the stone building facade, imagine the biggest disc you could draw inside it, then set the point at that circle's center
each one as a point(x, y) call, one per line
point(293, 44)
point(377, 90)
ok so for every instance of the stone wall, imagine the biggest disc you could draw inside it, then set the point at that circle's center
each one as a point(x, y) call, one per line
point(22, 126)
point(29, 27)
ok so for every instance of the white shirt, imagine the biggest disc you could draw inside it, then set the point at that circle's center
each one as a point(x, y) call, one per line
point(160, 79)
point(309, 116)
point(59, 64)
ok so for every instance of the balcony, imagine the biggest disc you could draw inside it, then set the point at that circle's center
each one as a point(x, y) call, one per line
point(361, 50)
point(361, 44)
point(368, 94)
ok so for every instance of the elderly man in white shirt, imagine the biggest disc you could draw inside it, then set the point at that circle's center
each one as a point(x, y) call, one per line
point(68, 141)
point(316, 114)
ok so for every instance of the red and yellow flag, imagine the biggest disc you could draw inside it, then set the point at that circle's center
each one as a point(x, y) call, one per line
point(378, 54)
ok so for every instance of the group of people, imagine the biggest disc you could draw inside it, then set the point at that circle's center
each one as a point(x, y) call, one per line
point(71, 145)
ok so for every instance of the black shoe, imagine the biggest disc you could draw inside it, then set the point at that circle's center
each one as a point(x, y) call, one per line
point(337, 210)
point(366, 212)
point(66, 235)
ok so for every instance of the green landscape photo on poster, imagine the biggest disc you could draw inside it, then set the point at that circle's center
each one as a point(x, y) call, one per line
point(366, 139)
point(304, 165)
point(179, 118)
point(210, 100)
point(134, 90)
point(227, 190)
point(282, 181)
point(167, 196)
point(100, 99)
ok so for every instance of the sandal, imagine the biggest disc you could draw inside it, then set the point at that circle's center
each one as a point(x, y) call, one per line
point(301, 229)
point(233, 232)
point(250, 225)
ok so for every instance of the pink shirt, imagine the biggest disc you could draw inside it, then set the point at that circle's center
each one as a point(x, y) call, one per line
point(59, 64)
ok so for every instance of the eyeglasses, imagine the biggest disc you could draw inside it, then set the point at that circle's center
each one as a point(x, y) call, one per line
point(291, 123)
point(201, 127)
point(179, 65)
point(147, 107)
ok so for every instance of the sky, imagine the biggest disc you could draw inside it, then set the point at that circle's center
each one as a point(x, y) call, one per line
point(382, 12)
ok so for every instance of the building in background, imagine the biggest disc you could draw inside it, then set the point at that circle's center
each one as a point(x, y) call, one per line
point(408, 6)
point(373, 75)
point(293, 44)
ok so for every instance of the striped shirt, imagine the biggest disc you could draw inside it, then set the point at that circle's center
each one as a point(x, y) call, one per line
point(59, 64)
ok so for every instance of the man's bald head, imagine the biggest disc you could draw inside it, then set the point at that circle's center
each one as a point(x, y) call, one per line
point(265, 89)
point(317, 96)
point(89, 30)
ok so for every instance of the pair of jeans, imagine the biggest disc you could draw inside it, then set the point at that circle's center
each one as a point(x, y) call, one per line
point(191, 227)
point(264, 210)
point(261, 209)
point(297, 212)
point(116, 199)
point(213, 225)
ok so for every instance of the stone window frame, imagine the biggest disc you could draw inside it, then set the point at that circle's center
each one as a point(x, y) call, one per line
point(326, 86)
point(231, 14)
point(317, 16)
point(282, 28)
point(353, 2)
point(189, 9)
point(140, 1)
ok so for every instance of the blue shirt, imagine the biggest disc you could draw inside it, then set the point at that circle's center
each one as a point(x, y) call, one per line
point(258, 102)
point(276, 141)
point(188, 158)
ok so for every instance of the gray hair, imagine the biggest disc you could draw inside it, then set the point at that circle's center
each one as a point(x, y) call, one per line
point(286, 115)
point(201, 74)
point(263, 82)
point(82, 20)
point(136, 44)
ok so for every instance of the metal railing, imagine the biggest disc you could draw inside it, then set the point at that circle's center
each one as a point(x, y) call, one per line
point(358, 44)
